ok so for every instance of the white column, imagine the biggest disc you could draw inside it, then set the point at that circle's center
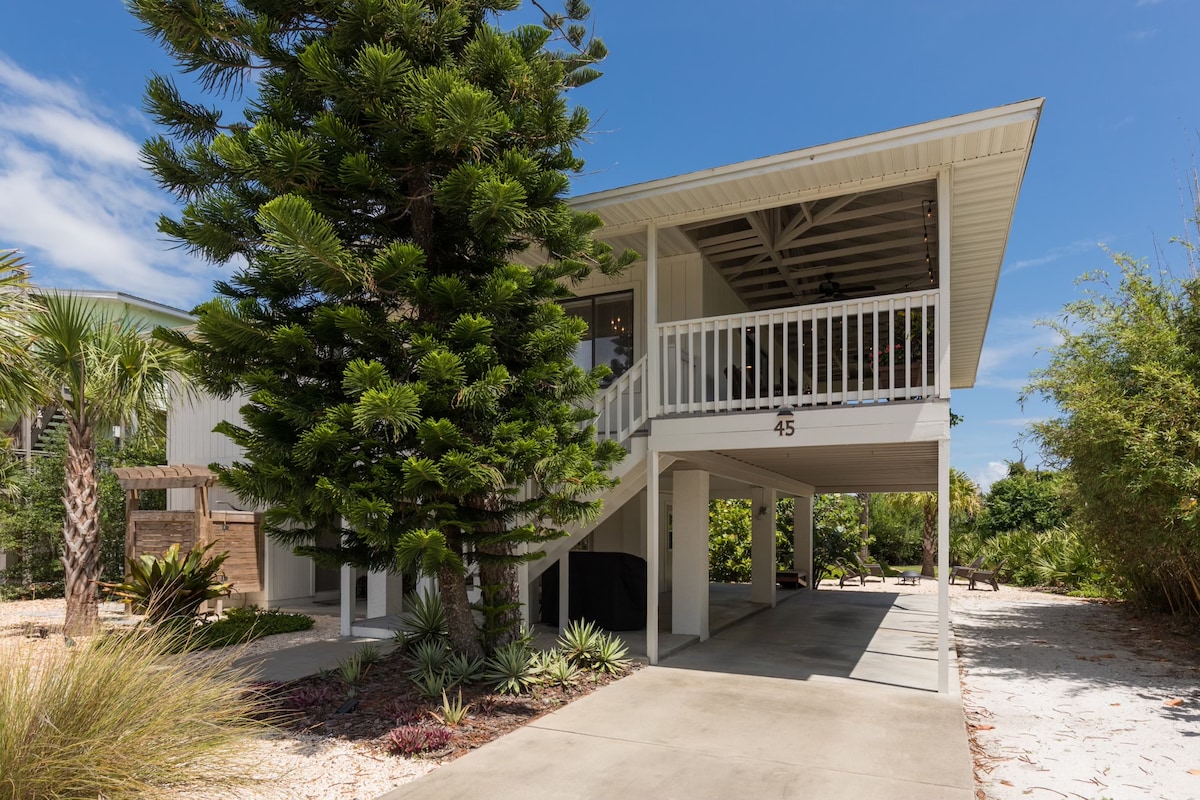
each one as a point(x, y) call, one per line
point(802, 538)
point(652, 539)
point(943, 318)
point(653, 352)
point(347, 592)
point(564, 591)
point(689, 583)
point(523, 592)
point(943, 565)
point(377, 594)
point(762, 546)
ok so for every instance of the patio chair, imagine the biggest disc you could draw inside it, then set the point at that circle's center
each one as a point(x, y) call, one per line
point(987, 576)
point(965, 571)
point(850, 572)
point(872, 569)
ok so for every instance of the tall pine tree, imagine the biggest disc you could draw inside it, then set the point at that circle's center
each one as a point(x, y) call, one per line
point(410, 386)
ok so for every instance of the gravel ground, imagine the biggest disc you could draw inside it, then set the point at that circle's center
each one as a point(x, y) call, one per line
point(283, 767)
point(1063, 699)
point(1067, 698)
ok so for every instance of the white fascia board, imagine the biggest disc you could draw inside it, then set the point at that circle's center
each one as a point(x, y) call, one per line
point(848, 148)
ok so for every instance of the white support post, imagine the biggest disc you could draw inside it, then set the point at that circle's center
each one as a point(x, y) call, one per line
point(802, 538)
point(347, 592)
point(523, 592)
point(652, 544)
point(689, 582)
point(943, 318)
point(762, 546)
point(377, 594)
point(943, 568)
point(564, 591)
point(653, 366)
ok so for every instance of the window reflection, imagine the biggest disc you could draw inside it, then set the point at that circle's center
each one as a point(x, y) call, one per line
point(609, 337)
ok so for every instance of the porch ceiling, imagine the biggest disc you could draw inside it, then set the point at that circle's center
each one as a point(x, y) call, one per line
point(828, 222)
point(907, 467)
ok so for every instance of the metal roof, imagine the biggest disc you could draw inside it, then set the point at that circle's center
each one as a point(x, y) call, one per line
point(735, 206)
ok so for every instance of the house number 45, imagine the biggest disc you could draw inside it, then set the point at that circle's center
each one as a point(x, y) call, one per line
point(785, 427)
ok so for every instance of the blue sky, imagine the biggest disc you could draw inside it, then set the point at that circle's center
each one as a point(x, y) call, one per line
point(689, 86)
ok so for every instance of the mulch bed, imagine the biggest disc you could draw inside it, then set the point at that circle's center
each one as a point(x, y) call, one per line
point(386, 698)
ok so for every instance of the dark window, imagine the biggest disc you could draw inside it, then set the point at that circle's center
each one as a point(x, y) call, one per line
point(609, 337)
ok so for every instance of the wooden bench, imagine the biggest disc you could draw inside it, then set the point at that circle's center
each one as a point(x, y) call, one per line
point(791, 579)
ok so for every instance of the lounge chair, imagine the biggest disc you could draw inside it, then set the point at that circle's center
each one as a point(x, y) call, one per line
point(965, 571)
point(987, 576)
point(850, 572)
point(872, 569)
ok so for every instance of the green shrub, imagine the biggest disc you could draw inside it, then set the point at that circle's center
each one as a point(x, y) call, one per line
point(1058, 558)
point(424, 619)
point(122, 719)
point(172, 585)
point(240, 625)
point(512, 669)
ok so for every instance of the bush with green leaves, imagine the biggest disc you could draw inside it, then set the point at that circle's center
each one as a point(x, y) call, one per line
point(1125, 379)
point(424, 619)
point(512, 669)
point(241, 625)
point(172, 585)
point(122, 718)
point(31, 518)
point(1060, 558)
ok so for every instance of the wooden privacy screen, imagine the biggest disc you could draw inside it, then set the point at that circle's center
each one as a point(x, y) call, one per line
point(152, 532)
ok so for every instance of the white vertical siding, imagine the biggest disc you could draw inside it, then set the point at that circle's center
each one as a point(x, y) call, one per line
point(191, 440)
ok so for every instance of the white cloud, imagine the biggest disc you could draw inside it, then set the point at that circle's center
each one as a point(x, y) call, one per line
point(1016, 422)
point(994, 471)
point(74, 197)
point(1143, 35)
point(1077, 247)
point(1012, 351)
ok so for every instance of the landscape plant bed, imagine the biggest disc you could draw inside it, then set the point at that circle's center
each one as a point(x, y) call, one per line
point(386, 698)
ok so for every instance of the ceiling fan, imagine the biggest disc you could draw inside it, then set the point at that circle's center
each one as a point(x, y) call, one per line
point(832, 290)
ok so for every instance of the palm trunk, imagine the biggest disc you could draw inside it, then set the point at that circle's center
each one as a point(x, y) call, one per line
point(864, 519)
point(81, 529)
point(929, 537)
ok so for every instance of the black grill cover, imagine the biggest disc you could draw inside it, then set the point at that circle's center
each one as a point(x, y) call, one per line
point(608, 589)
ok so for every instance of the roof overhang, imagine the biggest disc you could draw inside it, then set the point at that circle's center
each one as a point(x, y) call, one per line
point(983, 156)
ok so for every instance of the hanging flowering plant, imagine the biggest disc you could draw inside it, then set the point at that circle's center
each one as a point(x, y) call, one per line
point(920, 329)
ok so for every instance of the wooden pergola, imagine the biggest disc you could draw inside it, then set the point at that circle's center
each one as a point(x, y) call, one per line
point(238, 532)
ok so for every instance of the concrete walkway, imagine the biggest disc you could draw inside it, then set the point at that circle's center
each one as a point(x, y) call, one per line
point(825, 696)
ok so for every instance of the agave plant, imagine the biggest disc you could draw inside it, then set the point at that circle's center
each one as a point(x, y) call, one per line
point(610, 655)
point(172, 586)
point(462, 668)
point(579, 642)
point(425, 619)
point(512, 669)
point(556, 669)
point(430, 657)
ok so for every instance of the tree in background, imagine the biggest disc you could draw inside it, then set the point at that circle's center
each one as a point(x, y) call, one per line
point(964, 499)
point(97, 371)
point(1126, 381)
point(1025, 499)
point(31, 521)
point(837, 531)
point(403, 374)
point(16, 373)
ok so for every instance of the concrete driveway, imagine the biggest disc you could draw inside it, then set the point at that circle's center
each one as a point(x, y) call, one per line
point(795, 702)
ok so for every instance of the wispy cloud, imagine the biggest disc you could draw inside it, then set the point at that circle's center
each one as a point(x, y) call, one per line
point(1016, 422)
point(75, 198)
point(1142, 35)
point(1012, 352)
point(994, 471)
point(1075, 248)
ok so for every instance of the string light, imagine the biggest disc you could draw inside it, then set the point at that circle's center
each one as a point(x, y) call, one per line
point(925, 220)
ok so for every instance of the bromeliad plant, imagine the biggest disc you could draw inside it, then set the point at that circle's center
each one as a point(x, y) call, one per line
point(173, 586)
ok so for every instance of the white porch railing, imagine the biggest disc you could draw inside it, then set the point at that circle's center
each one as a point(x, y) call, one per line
point(849, 351)
point(623, 407)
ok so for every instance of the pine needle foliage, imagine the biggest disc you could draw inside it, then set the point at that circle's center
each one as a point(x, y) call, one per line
point(394, 194)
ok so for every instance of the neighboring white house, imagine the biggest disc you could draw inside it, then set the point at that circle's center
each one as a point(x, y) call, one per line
point(795, 327)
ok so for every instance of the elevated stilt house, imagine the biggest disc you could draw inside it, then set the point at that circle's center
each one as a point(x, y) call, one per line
point(796, 327)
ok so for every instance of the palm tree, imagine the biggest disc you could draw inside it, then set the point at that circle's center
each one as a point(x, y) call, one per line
point(964, 499)
point(97, 371)
point(16, 379)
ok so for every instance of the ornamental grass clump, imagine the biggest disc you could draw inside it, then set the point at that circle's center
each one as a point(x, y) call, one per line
point(120, 718)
